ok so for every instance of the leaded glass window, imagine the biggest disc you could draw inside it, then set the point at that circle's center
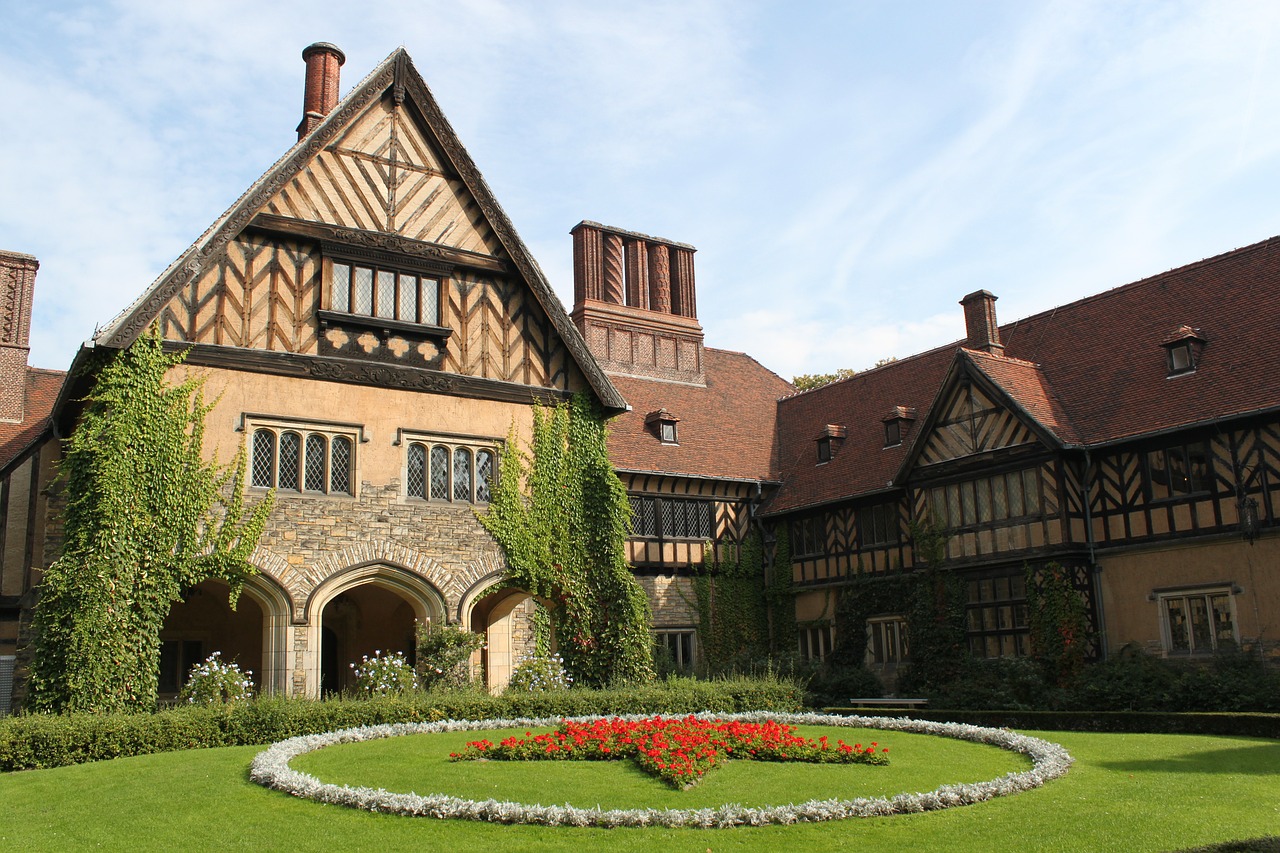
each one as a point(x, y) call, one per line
point(484, 475)
point(416, 471)
point(313, 475)
point(461, 474)
point(290, 448)
point(439, 473)
point(372, 291)
point(309, 461)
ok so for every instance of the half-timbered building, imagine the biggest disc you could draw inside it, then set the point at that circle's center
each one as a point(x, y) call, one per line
point(373, 330)
point(1132, 438)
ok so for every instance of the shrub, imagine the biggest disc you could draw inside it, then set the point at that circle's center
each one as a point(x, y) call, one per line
point(30, 741)
point(836, 685)
point(214, 682)
point(537, 673)
point(444, 654)
point(384, 675)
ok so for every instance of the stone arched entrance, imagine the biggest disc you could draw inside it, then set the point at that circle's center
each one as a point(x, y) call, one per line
point(360, 612)
point(505, 618)
point(252, 635)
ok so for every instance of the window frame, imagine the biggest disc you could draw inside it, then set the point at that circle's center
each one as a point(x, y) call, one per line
point(816, 641)
point(678, 640)
point(879, 518)
point(895, 625)
point(423, 271)
point(974, 503)
point(984, 614)
point(332, 434)
point(809, 537)
point(652, 512)
point(1205, 594)
point(1158, 491)
point(473, 446)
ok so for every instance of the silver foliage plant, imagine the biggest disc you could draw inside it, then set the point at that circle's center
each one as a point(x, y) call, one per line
point(271, 769)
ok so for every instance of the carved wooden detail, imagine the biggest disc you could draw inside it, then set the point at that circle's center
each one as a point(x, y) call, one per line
point(971, 423)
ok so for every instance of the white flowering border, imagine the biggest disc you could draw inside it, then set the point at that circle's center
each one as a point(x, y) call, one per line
point(271, 769)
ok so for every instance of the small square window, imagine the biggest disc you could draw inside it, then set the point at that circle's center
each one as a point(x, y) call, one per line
point(663, 425)
point(892, 433)
point(667, 432)
point(824, 450)
point(1181, 359)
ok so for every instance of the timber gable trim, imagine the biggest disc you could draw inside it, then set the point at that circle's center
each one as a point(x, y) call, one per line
point(964, 369)
point(357, 372)
point(396, 73)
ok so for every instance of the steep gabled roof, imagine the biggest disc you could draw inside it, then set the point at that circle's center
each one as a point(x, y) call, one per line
point(1093, 372)
point(861, 463)
point(42, 387)
point(395, 73)
point(726, 428)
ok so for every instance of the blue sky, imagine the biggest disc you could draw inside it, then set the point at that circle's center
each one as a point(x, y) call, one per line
point(847, 171)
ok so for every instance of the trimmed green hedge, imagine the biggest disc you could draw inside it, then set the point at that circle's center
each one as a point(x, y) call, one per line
point(44, 740)
point(1135, 722)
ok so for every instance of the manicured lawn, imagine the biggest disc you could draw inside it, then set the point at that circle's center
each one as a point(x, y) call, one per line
point(1126, 792)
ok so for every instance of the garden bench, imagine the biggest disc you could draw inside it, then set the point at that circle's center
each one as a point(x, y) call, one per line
point(888, 703)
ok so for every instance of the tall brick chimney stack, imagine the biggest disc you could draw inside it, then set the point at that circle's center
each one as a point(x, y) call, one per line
point(17, 287)
point(634, 302)
point(980, 322)
point(321, 94)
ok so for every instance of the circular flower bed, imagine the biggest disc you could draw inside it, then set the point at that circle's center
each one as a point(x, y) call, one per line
point(271, 768)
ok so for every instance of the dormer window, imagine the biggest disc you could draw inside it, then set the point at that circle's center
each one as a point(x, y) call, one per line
point(663, 425)
point(1182, 350)
point(385, 294)
point(897, 423)
point(829, 441)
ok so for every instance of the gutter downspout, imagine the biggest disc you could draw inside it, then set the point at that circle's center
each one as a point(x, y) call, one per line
point(1095, 569)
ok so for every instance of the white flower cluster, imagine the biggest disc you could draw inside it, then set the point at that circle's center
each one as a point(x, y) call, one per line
point(384, 675)
point(271, 768)
point(534, 673)
point(213, 682)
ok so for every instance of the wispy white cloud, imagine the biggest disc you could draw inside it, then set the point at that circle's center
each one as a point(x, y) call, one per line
point(857, 167)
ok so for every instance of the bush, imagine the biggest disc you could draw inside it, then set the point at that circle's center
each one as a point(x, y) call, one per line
point(30, 741)
point(384, 675)
point(536, 673)
point(216, 683)
point(444, 655)
point(836, 685)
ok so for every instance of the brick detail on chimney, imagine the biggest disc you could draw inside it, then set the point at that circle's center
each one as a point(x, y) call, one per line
point(637, 253)
point(17, 289)
point(683, 301)
point(983, 333)
point(626, 294)
point(322, 84)
point(588, 265)
point(614, 285)
point(659, 278)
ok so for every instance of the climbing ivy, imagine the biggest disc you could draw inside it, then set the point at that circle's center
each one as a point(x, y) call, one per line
point(1059, 623)
point(733, 619)
point(562, 518)
point(146, 517)
point(930, 599)
point(745, 606)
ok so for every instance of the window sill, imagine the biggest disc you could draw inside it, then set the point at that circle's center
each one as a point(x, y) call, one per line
point(383, 325)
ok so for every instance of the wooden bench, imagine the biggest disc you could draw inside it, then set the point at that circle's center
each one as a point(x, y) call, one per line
point(888, 703)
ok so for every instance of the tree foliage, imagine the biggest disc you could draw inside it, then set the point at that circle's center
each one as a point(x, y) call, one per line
point(146, 518)
point(562, 518)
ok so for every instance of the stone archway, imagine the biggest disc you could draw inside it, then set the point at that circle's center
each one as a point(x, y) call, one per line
point(360, 612)
point(251, 636)
point(505, 617)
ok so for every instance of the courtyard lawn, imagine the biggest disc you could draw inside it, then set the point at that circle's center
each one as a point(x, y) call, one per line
point(1126, 792)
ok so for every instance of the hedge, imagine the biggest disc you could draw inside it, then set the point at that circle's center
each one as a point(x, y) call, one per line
point(1132, 722)
point(30, 741)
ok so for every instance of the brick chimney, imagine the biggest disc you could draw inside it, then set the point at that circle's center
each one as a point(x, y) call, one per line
point(321, 94)
point(634, 302)
point(980, 322)
point(17, 287)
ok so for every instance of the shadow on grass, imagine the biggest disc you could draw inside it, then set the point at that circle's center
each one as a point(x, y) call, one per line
point(1262, 759)
point(1269, 844)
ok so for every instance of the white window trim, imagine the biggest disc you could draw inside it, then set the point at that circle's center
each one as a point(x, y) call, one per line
point(1161, 598)
point(660, 635)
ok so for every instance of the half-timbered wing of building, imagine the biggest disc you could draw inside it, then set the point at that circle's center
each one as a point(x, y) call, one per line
point(373, 330)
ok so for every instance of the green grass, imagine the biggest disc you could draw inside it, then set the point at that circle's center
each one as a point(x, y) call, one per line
point(1126, 792)
point(421, 764)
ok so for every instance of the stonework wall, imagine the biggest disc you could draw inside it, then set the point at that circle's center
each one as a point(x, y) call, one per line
point(672, 599)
